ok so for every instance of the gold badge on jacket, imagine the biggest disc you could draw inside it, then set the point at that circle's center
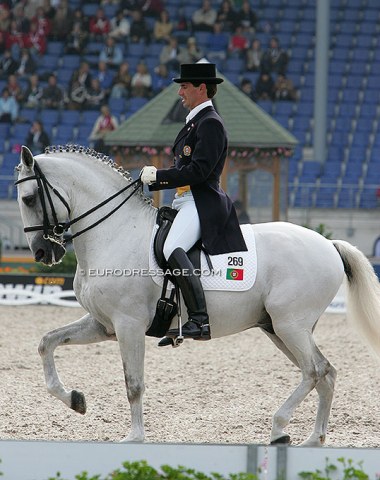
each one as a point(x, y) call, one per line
point(187, 150)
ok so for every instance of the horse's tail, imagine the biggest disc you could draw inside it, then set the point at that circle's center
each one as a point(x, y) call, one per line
point(363, 293)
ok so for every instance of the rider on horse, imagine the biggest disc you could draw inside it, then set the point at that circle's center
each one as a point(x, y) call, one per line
point(204, 210)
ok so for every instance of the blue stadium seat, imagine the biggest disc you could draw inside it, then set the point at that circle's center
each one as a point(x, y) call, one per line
point(117, 105)
point(331, 171)
point(135, 103)
point(19, 133)
point(368, 198)
point(325, 197)
point(304, 197)
point(70, 61)
point(347, 197)
point(64, 134)
point(49, 117)
point(233, 65)
point(55, 47)
point(70, 117)
point(310, 172)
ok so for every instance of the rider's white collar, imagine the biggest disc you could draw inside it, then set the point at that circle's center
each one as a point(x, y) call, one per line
point(197, 109)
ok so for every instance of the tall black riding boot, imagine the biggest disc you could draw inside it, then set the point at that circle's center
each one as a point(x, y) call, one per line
point(197, 326)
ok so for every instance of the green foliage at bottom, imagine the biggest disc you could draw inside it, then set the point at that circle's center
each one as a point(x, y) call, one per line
point(142, 471)
point(350, 471)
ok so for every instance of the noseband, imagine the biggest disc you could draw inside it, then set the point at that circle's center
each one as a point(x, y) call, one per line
point(54, 231)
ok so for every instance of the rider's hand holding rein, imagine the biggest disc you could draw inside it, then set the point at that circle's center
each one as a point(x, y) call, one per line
point(148, 175)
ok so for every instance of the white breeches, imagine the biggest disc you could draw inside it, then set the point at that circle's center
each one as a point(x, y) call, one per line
point(186, 228)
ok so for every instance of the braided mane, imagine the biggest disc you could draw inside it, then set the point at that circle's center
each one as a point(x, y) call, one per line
point(105, 159)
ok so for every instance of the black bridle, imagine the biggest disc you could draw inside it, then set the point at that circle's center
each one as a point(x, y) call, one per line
point(54, 231)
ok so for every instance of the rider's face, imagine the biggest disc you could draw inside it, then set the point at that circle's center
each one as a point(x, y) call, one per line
point(192, 96)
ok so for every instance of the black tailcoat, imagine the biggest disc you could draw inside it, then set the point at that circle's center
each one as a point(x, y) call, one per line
point(200, 151)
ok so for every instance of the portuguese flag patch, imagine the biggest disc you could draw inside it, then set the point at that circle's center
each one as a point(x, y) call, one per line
point(235, 274)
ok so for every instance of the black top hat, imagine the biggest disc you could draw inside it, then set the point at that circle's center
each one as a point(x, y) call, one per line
point(198, 72)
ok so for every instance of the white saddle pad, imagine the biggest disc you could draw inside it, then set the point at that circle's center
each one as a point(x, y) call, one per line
point(231, 271)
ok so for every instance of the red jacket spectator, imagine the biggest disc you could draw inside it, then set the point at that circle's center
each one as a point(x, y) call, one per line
point(99, 23)
point(42, 21)
point(14, 37)
point(35, 40)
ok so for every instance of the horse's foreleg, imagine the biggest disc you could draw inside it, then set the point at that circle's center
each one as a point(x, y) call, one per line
point(83, 331)
point(131, 338)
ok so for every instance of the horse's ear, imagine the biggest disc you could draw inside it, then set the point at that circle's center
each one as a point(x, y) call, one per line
point(27, 158)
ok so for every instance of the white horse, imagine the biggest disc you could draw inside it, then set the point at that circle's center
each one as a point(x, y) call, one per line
point(299, 273)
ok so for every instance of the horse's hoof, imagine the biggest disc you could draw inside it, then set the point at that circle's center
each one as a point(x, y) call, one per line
point(284, 440)
point(78, 402)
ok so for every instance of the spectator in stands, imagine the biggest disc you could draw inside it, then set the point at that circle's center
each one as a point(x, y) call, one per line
point(35, 40)
point(253, 56)
point(275, 59)
point(96, 95)
point(50, 7)
point(62, 21)
point(141, 81)
point(53, 96)
point(121, 83)
point(160, 79)
point(106, 122)
point(79, 83)
point(14, 39)
point(217, 43)
point(163, 27)
point(204, 18)
point(284, 89)
point(15, 88)
point(43, 23)
point(264, 86)
point(140, 32)
point(111, 53)
point(120, 27)
point(20, 17)
point(226, 15)
point(246, 87)
point(169, 54)
point(105, 76)
point(99, 25)
point(238, 43)
point(192, 53)
point(80, 18)
point(33, 92)
point(37, 139)
point(9, 107)
point(182, 25)
point(152, 8)
point(5, 23)
point(76, 40)
point(27, 64)
point(8, 64)
point(246, 18)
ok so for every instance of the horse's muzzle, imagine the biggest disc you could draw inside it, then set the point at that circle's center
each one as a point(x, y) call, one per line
point(47, 252)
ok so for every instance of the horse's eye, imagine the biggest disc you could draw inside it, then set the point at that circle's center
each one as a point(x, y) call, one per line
point(29, 200)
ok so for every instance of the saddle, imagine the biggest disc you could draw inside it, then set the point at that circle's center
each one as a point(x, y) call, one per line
point(166, 308)
point(164, 220)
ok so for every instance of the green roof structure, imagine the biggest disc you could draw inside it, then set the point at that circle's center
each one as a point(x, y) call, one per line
point(247, 124)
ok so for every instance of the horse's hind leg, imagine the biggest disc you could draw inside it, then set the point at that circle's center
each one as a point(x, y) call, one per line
point(83, 331)
point(316, 372)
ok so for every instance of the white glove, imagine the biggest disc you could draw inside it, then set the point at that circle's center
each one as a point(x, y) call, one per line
point(148, 175)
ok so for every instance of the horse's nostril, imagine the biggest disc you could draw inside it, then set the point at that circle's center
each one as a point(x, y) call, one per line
point(39, 255)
